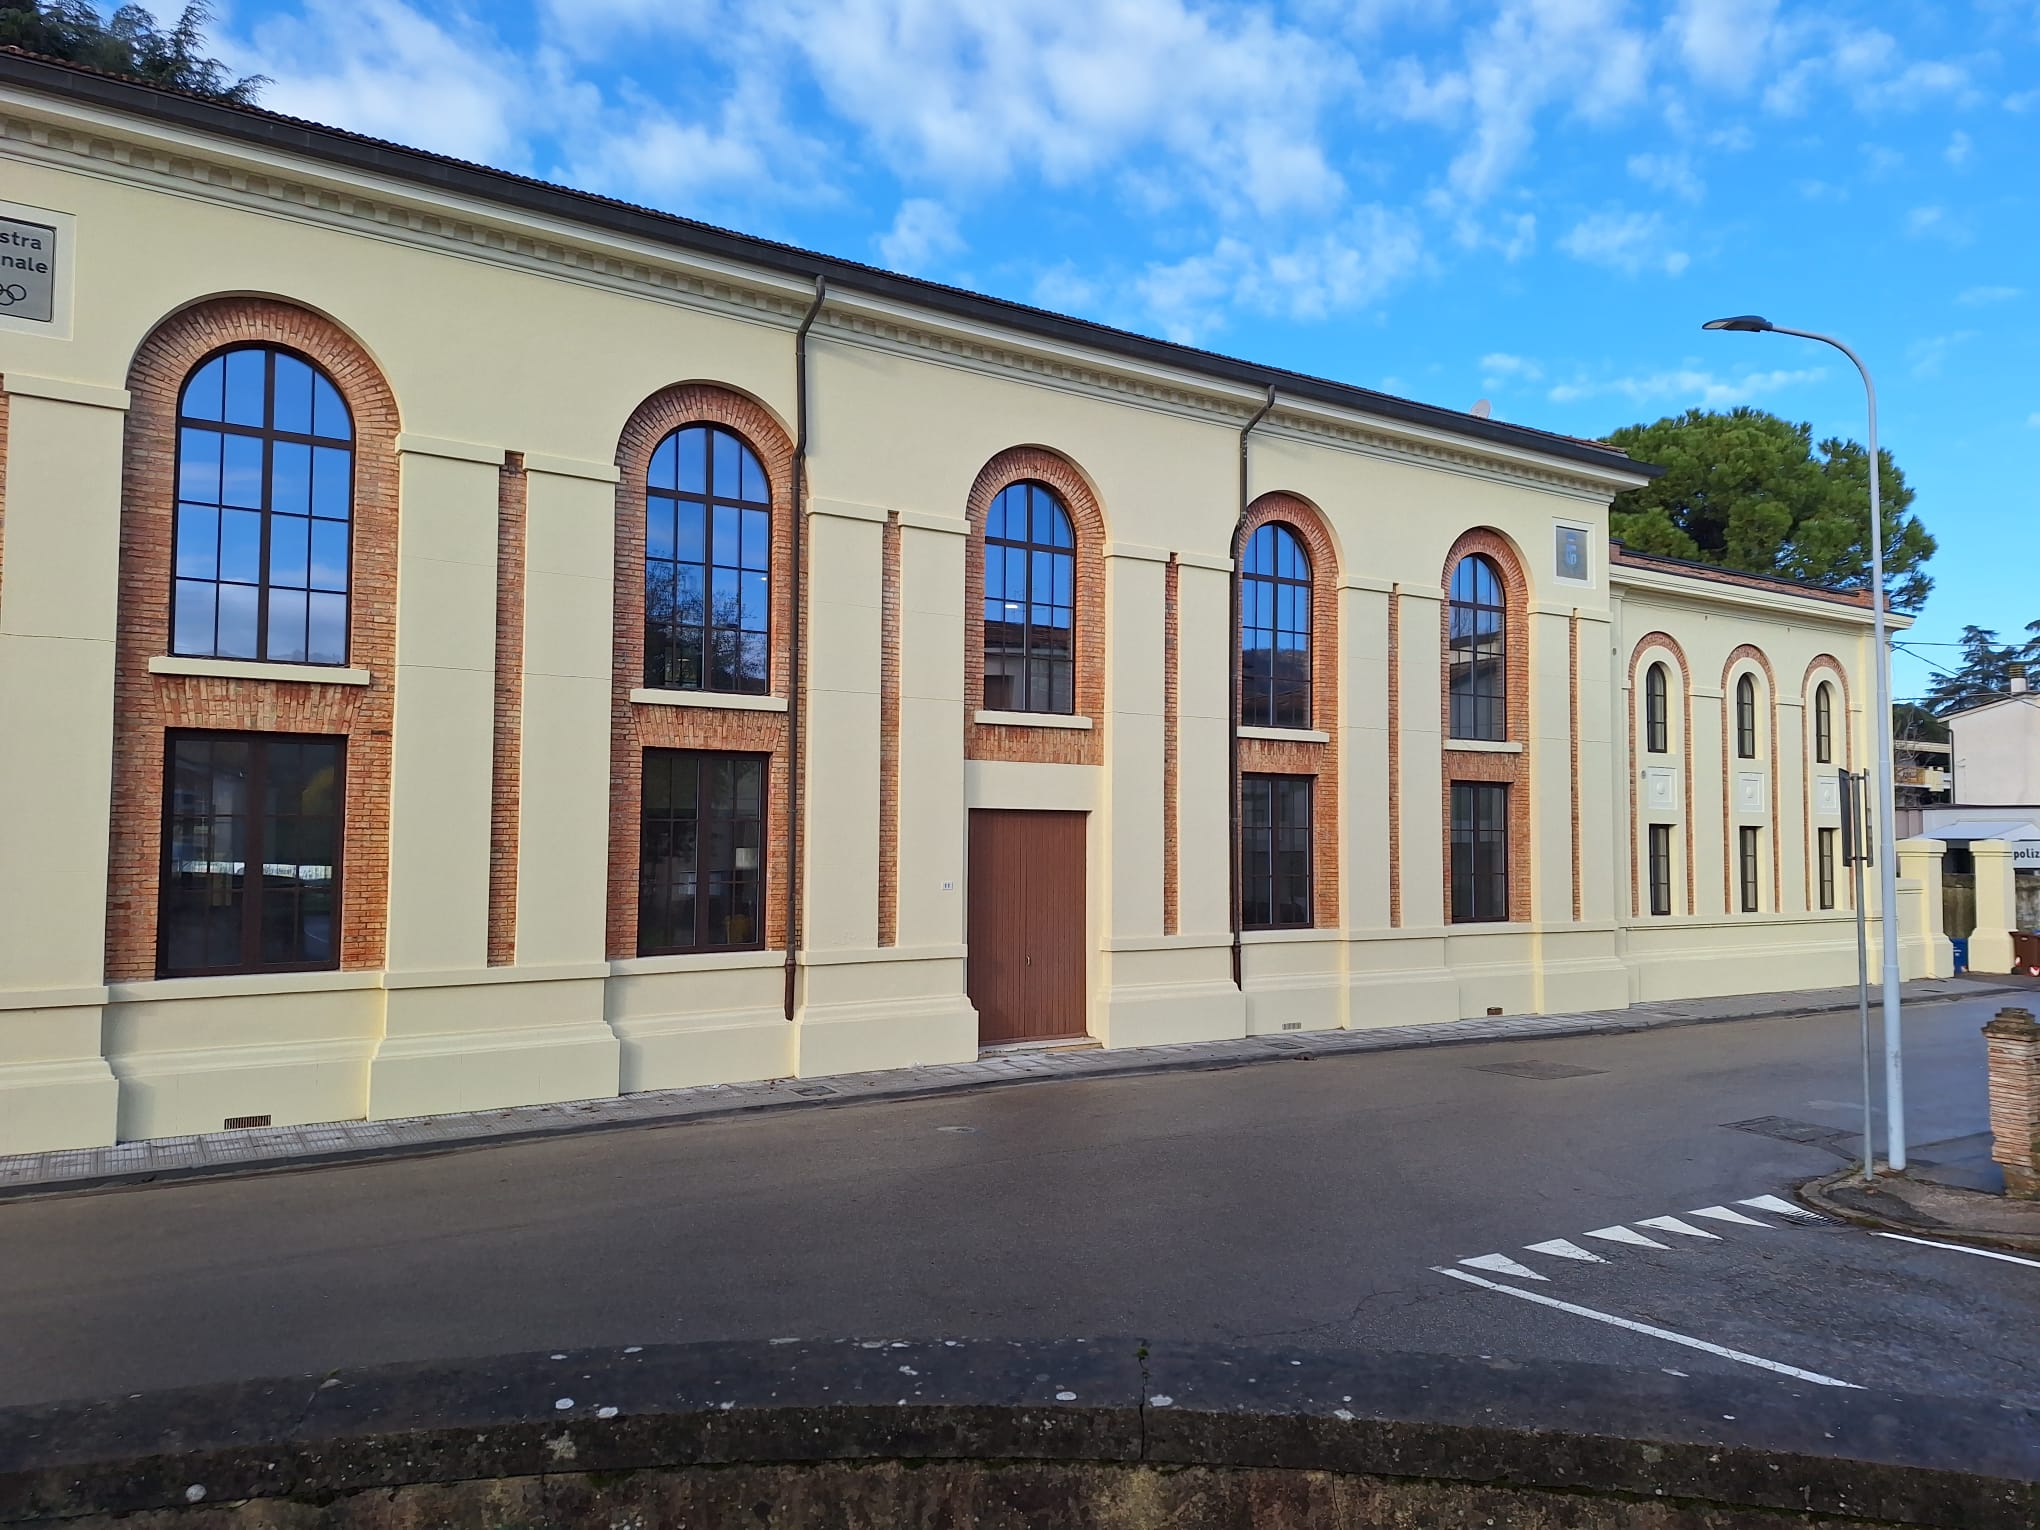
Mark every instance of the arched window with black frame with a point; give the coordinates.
(1746, 718)
(1657, 709)
(708, 564)
(1824, 724)
(1477, 643)
(1030, 602)
(1275, 610)
(265, 506)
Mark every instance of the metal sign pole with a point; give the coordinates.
(1855, 852)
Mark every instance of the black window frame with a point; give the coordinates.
(1825, 842)
(704, 760)
(1746, 717)
(254, 850)
(665, 642)
(1261, 850)
(1269, 698)
(1479, 815)
(1030, 652)
(270, 436)
(1823, 724)
(1477, 687)
(1749, 861)
(1660, 863)
(1657, 709)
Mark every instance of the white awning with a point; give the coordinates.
(1966, 829)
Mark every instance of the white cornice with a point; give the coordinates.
(1719, 592)
(73, 137)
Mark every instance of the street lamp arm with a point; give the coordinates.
(1843, 346)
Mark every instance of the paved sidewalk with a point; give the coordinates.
(262, 1149)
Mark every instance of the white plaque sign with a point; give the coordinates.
(28, 269)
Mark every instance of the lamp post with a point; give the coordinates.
(1887, 837)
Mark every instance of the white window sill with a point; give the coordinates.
(1031, 720)
(722, 701)
(1484, 745)
(250, 669)
(1288, 735)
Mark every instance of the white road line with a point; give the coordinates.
(1502, 1264)
(1563, 1249)
(1963, 1248)
(1723, 1214)
(1674, 1225)
(1783, 1208)
(1624, 1235)
(1656, 1333)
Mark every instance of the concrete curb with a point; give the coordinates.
(273, 1150)
(630, 1429)
(1822, 1196)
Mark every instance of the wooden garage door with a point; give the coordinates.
(1026, 924)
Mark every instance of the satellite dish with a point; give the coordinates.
(1482, 409)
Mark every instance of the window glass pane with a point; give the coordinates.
(236, 622)
(689, 531)
(205, 392)
(193, 618)
(293, 405)
(329, 556)
(727, 477)
(726, 538)
(245, 381)
(751, 486)
(752, 597)
(332, 482)
(665, 465)
(658, 527)
(757, 540)
(289, 550)
(241, 546)
(693, 443)
(290, 478)
(198, 542)
(241, 475)
(198, 466)
(327, 640)
(287, 626)
(330, 418)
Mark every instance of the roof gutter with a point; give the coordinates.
(1232, 714)
(796, 668)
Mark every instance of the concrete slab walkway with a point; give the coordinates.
(265, 1149)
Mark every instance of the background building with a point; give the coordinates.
(466, 643)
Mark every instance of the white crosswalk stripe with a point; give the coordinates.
(1502, 1264)
(1674, 1225)
(1784, 1208)
(1724, 1214)
(1625, 1235)
(1563, 1248)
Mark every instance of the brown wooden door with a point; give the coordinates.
(1026, 924)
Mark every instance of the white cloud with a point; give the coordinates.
(1866, 64)
(2024, 101)
(381, 68)
(1958, 150)
(1689, 386)
(922, 231)
(1066, 289)
(1933, 222)
(1631, 243)
(1499, 367)
(1337, 271)
(1974, 296)
(1724, 42)
(2033, 420)
(1672, 173)
(1928, 355)
(740, 146)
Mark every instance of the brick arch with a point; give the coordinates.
(1300, 757)
(638, 726)
(1825, 663)
(1054, 746)
(1661, 643)
(147, 705)
(1480, 765)
(1749, 654)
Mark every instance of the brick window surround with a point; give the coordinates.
(1824, 667)
(1303, 757)
(147, 706)
(638, 726)
(1659, 648)
(1749, 659)
(1484, 765)
(1049, 745)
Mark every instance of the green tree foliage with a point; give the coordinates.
(1746, 490)
(1985, 671)
(130, 43)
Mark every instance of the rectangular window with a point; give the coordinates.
(1827, 868)
(1660, 869)
(251, 853)
(701, 880)
(1480, 852)
(1749, 860)
(1275, 852)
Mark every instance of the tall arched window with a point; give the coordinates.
(1478, 670)
(265, 500)
(1746, 718)
(708, 564)
(1275, 630)
(1657, 710)
(1824, 723)
(1030, 602)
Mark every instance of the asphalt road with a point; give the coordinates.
(1298, 1203)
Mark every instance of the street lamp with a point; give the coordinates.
(1887, 838)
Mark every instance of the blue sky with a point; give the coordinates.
(1535, 202)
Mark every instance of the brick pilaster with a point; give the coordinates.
(2012, 1042)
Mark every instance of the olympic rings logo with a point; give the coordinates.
(12, 293)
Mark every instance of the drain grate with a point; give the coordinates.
(1534, 1069)
(1806, 1133)
(813, 1089)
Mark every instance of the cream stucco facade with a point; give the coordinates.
(511, 323)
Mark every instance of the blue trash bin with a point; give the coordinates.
(1961, 945)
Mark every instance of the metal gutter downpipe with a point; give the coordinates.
(1232, 717)
(795, 674)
